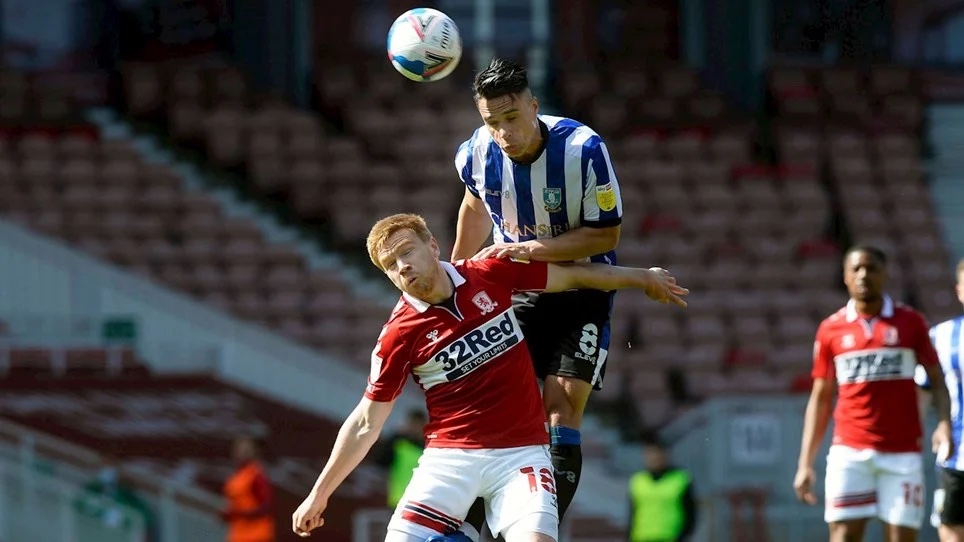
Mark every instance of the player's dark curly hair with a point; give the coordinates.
(501, 78)
(877, 253)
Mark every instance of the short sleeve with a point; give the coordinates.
(519, 275)
(602, 205)
(464, 159)
(924, 345)
(823, 366)
(390, 367)
(920, 377)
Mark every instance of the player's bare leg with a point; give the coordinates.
(898, 533)
(951, 533)
(851, 530)
(565, 400)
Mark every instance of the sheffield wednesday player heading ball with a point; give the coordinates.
(545, 188)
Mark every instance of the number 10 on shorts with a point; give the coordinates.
(545, 479)
(913, 494)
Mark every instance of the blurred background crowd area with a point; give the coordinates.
(185, 187)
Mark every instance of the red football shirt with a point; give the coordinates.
(873, 362)
(472, 363)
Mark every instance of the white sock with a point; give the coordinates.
(470, 532)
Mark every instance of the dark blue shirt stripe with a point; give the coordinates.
(493, 184)
(466, 173)
(556, 171)
(956, 431)
(522, 180)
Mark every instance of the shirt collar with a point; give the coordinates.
(422, 306)
(887, 311)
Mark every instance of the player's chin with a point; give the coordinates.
(514, 151)
(413, 288)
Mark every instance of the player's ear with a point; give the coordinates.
(435, 248)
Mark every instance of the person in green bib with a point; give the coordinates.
(400, 454)
(661, 500)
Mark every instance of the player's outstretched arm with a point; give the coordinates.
(658, 284)
(815, 423)
(473, 227)
(355, 438)
(575, 244)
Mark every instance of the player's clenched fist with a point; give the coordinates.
(308, 515)
(803, 485)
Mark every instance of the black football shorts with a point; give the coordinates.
(951, 484)
(567, 332)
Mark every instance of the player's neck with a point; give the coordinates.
(869, 308)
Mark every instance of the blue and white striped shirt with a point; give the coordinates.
(571, 184)
(948, 339)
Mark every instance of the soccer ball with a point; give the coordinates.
(424, 44)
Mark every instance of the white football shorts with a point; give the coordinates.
(517, 484)
(868, 484)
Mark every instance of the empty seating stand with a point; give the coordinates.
(45, 362)
(183, 427)
(101, 197)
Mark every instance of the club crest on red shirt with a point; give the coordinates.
(484, 302)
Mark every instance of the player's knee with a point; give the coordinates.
(565, 400)
(901, 533)
(953, 533)
(847, 531)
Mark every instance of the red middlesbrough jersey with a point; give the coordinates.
(472, 363)
(873, 363)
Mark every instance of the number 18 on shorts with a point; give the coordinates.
(871, 484)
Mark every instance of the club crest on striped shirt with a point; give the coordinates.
(552, 198)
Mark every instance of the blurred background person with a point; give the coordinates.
(400, 453)
(662, 505)
(249, 513)
(113, 501)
